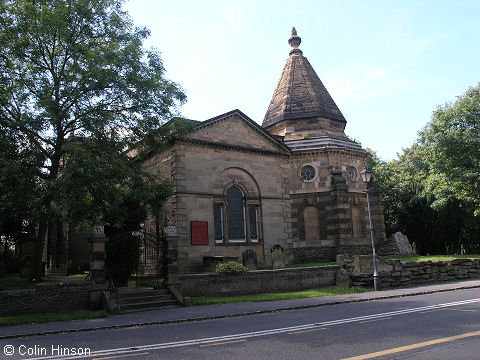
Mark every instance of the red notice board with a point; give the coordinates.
(199, 232)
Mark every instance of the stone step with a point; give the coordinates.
(140, 299)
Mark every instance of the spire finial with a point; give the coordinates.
(295, 40)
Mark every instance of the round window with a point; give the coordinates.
(352, 173)
(308, 172)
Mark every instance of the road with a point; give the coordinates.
(436, 326)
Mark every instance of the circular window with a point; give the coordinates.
(352, 173)
(308, 173)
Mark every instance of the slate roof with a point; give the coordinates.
(300, 93)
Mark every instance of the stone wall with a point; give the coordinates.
(403, 274)
(259, 281)
(51, 297)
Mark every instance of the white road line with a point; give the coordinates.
(225, 338)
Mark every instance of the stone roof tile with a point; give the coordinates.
(300, 93)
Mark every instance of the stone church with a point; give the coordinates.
(293, 181)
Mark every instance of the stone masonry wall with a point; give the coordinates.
(404, 274)
(50, 297)
(259, 281)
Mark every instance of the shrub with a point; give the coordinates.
(230, 268)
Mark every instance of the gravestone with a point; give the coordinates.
(26, 267)
(403, 245)
(278, 257)
(343, 278)
(250, 259)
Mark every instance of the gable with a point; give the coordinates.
(235, 130)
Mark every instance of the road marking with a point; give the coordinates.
(223, 343)
(367, 321)
(120, 356)
(182, 343)
(464, 310)
(305, 331)
(413, 346)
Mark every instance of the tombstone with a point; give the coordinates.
(3, 268)
(250, 259)
(403, 245)
(278, 257)
(343, 278)
(26, 267)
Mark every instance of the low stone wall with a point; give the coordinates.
(258, 281)
(50, 297)
(403, 274)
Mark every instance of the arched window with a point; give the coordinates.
(312, 228)
(235, 218)
(235, 214)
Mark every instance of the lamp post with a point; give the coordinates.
(366, 176)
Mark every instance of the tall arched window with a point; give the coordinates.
(236, 214)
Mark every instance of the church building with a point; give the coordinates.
(292, 183)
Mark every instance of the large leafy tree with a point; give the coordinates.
(71, 70)
(452, 143)
(431, 192)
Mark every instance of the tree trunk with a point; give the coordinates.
(37, 272)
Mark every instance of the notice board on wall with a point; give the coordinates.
(199, 232)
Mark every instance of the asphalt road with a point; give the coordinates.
(436, 326)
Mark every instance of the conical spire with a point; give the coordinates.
(300, 93)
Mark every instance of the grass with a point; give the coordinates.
(326, 291)
(49, 317)
(15, 282)
(433, 257)
(302, 265)
(311, 264)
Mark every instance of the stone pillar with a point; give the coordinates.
(170, 233)
(97, 252)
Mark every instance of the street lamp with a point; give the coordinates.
(366, 176)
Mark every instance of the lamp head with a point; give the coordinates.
(366, 175)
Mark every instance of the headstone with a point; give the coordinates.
(278, 257)
(3, 268)
(250, 259)
(403, 244)
(343, 278)
(26, 267)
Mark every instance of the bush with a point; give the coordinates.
(230, 268)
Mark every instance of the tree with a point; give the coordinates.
(431, 192)
(452, 143)
(76, 69)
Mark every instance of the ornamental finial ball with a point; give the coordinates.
(294, 40)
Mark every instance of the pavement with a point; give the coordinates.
(208, 312)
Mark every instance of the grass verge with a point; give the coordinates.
(15, 282)
(434, 257)
(326, 291)
(49, 317)
(311, 264)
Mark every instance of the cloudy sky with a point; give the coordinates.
(387, 64)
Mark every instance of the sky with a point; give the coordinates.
(387, 64)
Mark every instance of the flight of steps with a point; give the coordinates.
(140, 299)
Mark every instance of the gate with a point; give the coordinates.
(136, 258)
(151, 268)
